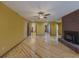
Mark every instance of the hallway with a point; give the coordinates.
(41, 46)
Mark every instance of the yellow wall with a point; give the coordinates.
(11, 28)
(60, 28)
(52, 28)
(40, 28)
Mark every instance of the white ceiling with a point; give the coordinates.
(28, 9)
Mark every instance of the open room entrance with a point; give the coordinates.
(47, 27)
(33, 28)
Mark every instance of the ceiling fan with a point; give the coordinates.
(42, 15)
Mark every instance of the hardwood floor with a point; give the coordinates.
(41, 46)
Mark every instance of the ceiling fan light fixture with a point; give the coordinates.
(41, 16)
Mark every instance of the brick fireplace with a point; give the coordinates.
(70, 28)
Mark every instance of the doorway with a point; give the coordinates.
(33, 28)
(28, 29)
(47, 28)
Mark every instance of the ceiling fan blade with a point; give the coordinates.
(46, 14)
(40, 12)
(45, 17)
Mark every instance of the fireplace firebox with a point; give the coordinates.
(72, 36)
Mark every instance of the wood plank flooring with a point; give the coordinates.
(41, 47)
